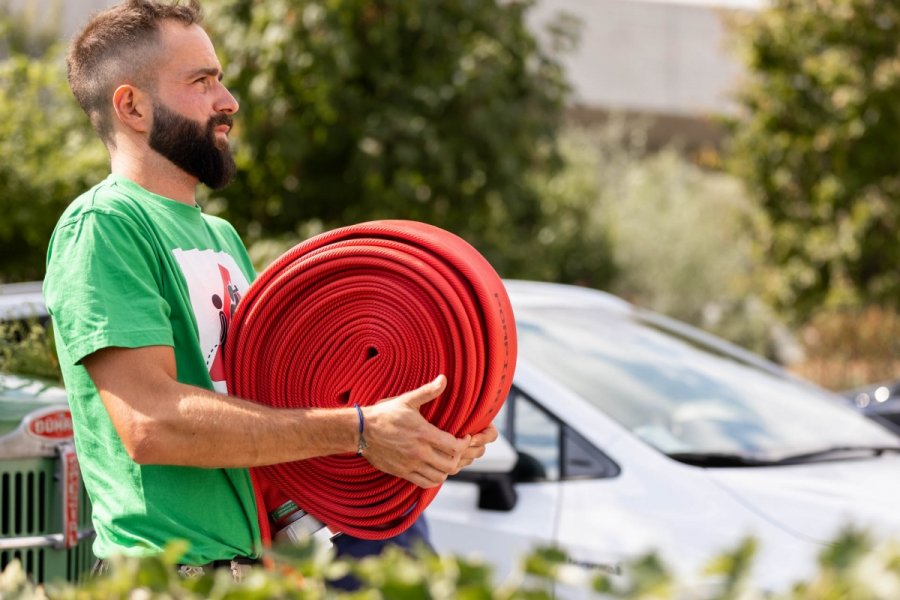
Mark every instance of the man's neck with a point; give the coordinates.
(155, 174)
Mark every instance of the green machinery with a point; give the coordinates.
(44, 511)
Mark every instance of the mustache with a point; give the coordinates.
(219, 119)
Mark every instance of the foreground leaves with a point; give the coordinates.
(852, 567)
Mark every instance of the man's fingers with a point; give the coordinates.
(444, 458)
(473, 452)
(434, 475)
(475, 447)
(485, 436)
(427, 392)
(408, 446)
(448, 449)
(421, 481)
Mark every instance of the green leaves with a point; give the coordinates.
(48, 155)
(355, 110)
(351, 110)
(27, 348)
(852, 566)
(816, 141)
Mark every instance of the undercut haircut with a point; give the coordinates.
(119, 46)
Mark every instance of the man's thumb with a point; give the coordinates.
(428, 392)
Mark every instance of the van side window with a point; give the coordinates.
(548, 449)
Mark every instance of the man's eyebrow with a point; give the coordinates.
(206, 71)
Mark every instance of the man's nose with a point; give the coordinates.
(227, 102)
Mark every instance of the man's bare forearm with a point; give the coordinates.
(196, 427)
(163, 421)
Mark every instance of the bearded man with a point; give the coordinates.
(141, 286)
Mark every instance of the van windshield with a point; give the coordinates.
(683, 395)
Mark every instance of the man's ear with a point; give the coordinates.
(133, 108)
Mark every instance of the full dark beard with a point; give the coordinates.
(191, 147)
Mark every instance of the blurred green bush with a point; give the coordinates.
(27, 348)
(452, 113)
(48, 152)
(852, 567)
(354, 110)
(816, 141)
(438, 111)
(661, 232)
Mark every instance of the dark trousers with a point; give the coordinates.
(347, 546)
(353, 547)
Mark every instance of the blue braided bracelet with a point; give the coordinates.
(362, 438)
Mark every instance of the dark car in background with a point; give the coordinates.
(880, 402)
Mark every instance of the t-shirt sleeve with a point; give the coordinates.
(102, 286)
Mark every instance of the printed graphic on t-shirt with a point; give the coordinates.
(216, 285)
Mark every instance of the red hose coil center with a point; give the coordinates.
(363, 313)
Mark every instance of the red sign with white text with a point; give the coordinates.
(56, 425)
(71, 493)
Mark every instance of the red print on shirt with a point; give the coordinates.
(226, 305)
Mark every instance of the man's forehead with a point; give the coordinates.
(188, 50)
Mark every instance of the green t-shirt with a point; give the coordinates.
(129, 268)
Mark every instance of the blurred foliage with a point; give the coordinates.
(817, 142)
(848, 348)
(32, 30)
(574, 244)
(673, 237)
(351, 111)
(450, 112)
(852, 567)
(653, 228)
(354, 110)
(48, 152)
(27, 348)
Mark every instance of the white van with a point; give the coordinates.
(631, 433)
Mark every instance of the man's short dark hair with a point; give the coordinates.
(119, 45)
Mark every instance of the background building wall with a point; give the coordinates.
(667, 62)
(72, 13)
(654, 56)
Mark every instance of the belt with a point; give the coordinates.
(220, 564)
(362, 313)
(239, 566)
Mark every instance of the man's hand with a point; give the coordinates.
(401, 442)
(477, 443)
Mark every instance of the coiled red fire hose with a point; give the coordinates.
(363, 313)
